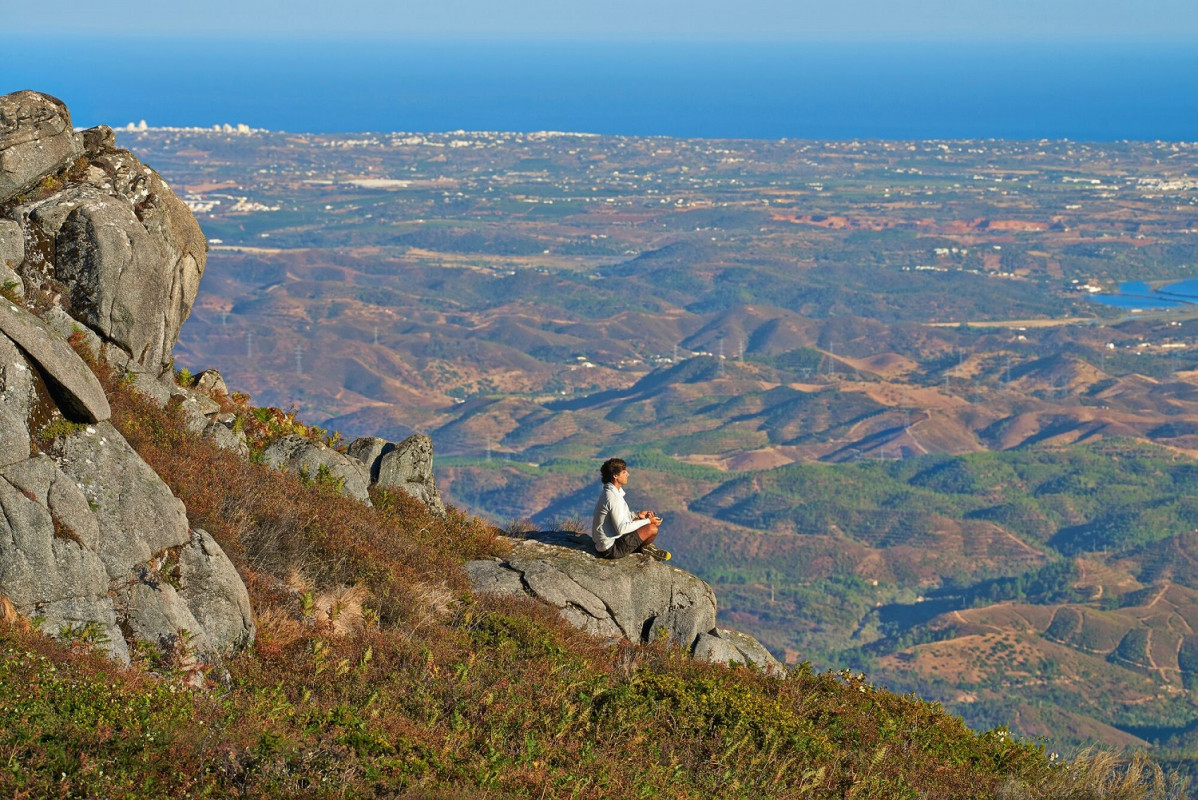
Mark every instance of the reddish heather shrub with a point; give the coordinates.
(377, 673)
(271, 522)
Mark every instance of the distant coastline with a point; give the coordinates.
(765, 90)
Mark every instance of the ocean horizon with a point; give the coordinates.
(754, 90)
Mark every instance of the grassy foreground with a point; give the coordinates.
(376, 673)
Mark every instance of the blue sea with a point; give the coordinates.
(752, 90)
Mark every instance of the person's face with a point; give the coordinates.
(622, 478)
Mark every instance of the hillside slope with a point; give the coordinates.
(372, 670)
(376, 672)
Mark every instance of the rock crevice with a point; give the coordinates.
(406, 465)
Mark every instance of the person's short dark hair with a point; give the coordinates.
(611, 468)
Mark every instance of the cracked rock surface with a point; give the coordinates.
(36, 139)
(407, 465)
(635, 598)
(92, 229)
(79, 393)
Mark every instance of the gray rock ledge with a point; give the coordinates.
(634, 598)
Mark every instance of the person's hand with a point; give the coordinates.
(644, 515)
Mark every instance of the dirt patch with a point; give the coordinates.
(889, 394)
(887, 365)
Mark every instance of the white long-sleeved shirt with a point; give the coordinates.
(612, 518)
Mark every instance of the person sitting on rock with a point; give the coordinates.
(615, 531)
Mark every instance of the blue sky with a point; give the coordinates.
(1035, 20)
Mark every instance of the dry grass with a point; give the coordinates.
(341, 609)
(574, 525)
(519, 528)
(1101, 775)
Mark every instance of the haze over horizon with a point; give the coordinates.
(909, 20)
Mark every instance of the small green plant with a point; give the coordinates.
(9, 291)
(146, 654)
(183, 377)
(83, 635)
(325, 477)
(169, 570)
(57, 428)
(307, 602)
(78, 169)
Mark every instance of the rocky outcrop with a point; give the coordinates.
(635, 598)
(36, 140)
(92, 539)
(102, 254)
(211, 383)
(725, 646)
(92, 542)
(407, 466)
(315, 461)
(148, 550)
(202, 413)
(102, 235)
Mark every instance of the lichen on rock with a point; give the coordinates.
(104, 235)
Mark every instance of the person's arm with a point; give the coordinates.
(621, 516)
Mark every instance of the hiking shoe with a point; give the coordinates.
(656, 552)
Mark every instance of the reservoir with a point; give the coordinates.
(1139, 295)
